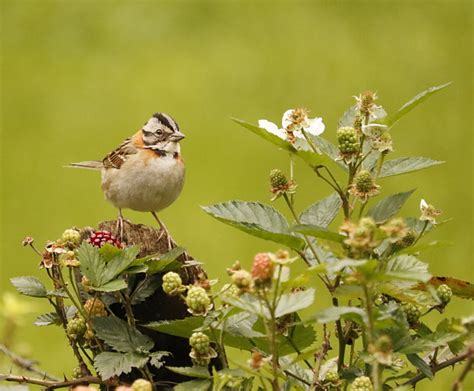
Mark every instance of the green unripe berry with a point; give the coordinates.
(361, 383)
(197, 300)
(141, 385)
(408, 239)
(71, 236)
(348, 140)
(200, 343)
(363, 181)
(172, 283)
(76, 328)
(412, 312)
(331, 377)
(278, 180)
(444, 293)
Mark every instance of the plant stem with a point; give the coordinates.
(371, 335)
(50, 385)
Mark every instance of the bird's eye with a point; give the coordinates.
(159, 132)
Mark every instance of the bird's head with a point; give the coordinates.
(161, 132)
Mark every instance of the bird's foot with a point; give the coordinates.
(120, 226)
(164, 233)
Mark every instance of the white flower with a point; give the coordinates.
(428, 212)
(423, 205)
(294, 122)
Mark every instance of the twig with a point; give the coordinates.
(27, 365)
(439, 367)
(457, 386)
(297, 377)
(51, 385)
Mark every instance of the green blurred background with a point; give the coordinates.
(80, 76)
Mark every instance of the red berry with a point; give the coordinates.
(262, 267)
(99, 238)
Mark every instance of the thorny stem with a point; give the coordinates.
(457, 386)
(271, 331)
(51, 385)
(371, 335)
(128, 309)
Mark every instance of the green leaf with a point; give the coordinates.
(433, 245)
(120, 336)
(323, 212)
(194, 385)
(303, 151)
(112, 286)
(145, 289)
(241, 325)
(329, 149)
(92, 266)
(406, 164)
(109, 364)
(199, 372)
(179, 328)
(119, 263)
(156, 358)
(389, 206)
(423, 344)
(52, 318)
(256, 219)
(29, 286)
(292, 302)
(348, 117)
(318, 232)
(419, 363)
(335, 313)
(407, 107)
(250, 304)
(109, 251)
(406, 267)
(165, 261)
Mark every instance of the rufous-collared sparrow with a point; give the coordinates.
(146, 172)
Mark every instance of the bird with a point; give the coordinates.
(146, 172)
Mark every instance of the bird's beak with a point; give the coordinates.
(177, 136)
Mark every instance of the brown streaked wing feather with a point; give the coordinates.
(116, 158)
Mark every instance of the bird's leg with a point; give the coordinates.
(163, 231)
(120, 224)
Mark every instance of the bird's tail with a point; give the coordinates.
(89, 164)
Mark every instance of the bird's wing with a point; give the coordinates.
(116, 158)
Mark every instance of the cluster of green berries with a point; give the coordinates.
(71, 236)
(412, 312)
(348, 140)
(331, 377)
(197, 300)
(278, 180)
(361, 383)
(363, 181)
(242, 279)
(76, 328)
(172, 284)
(444, 293)
(200, 343)
(141, 385)
(262, 268)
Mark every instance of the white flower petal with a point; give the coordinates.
(423, 204)
(315, 126)
(286, 120)
(270, 127)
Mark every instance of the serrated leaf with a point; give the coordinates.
(257, 219)
(29, 286)
(179, 328)
(303, 151)
(423, 344)
(164, 261)
(323, 212)
(406, 267)
(109, 364)
(419, 363)
(410, 105)
(406, 164)
(52, 318)
(329, 149)
(156, 358)
(241, 325)
(249, 303)
(348, 117)
(388, 207)
(120, 336)
(319, 232)
(145, 289)
(109, 251)
(199, 372)
(112, 286)
(194, 385)
(118, 264)
(335, 313)
(293, 302)
(92, 266)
